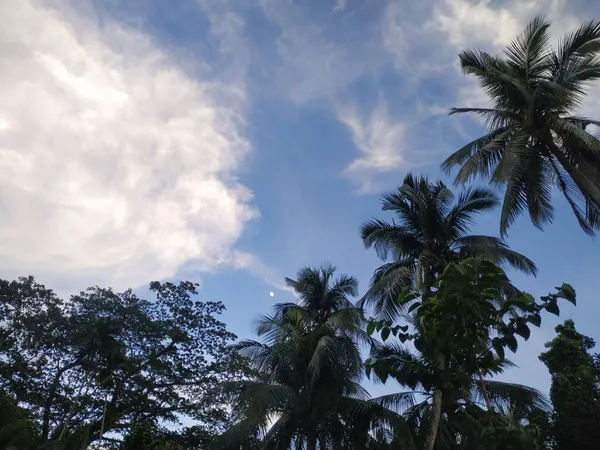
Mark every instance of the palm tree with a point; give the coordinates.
(534, 140)
(305, 389)
(466, 406)
(431, 232)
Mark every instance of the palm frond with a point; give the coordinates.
(399, 401)
(386, 237)
(463, 154)
(497, 251)
(386, 285)
(470, 201)
(528, 50)
(510, 395)
(485, 159)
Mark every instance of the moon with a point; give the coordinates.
(272, 294)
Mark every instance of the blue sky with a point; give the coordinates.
(233, 142)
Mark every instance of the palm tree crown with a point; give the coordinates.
(431, 230)
(305, 388)
(535, 141)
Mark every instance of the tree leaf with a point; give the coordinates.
(499, 350)
(414, 306)
(371, 327)
(567, 292)
(511, 343)
(523, 330)
(552, 307)
(385, 333)
(535, 319)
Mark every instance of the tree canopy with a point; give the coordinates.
(575, 389)
(102, 361)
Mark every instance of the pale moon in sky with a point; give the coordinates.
(272, 294)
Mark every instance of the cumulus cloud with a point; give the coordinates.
(491, 26)
(379, 142)
(116, 166)
(470, 23)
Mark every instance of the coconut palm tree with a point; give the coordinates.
(305, 389)
(429, 231)
(535, 140)
(465, 407)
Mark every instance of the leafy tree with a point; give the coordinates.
(431, 232)
(469, 320)
(305, 392)
(17, 430)
(535, 141)
(103, 361)
(150, 436)
(575, 390)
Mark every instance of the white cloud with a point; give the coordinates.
(251, 264)
(340, 6)
(491, 26)
(379, 142)
(472, 23)
(116, 167)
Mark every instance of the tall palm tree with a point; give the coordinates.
(430, 230)
(305, 389)
(534, 140)
(465, 407)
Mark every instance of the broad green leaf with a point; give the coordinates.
(371, 327)
(385, 333)
(511, 343)
(552, 307)
(567, 292)
(414, 306)
(535, 319)
(523, 330)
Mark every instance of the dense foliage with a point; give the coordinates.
(306, 389)
(575, 390)
(467, 322)
(102, 361)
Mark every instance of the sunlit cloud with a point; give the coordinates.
(117, 166)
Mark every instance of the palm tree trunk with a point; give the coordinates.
(311, 441)
(440, 362)
(486, 396)
(436, 410)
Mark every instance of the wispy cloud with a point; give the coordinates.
(379, 141)
(490, 26)
(320, 55)
(251, 264)
(117, 167)
(340, 6)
